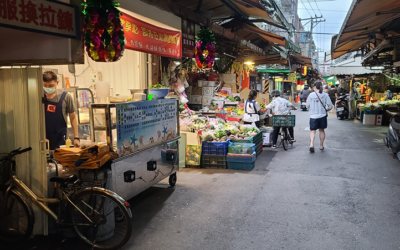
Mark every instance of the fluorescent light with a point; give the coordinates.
(177, 63)
(249, 63)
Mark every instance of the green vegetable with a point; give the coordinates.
(181, 107)
(219, 134)
(231, 98)
(237, 98)
(262, 105)
(158, 86)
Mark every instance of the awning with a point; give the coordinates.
(299, 59)
(364, 18)
(352, 66)
(286, 71)
(252, 33)
(267, 59)
(290, 45)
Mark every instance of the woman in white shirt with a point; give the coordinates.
(318, 104)
(251, 108)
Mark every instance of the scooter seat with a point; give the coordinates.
(395, 122)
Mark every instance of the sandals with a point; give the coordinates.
(312, 149)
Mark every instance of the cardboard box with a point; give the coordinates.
(197, 91)
(189, 90)
(192, 138)
(208, 91)
(207, 100)
(210, 83)
(378, 121)
(196, 99)
(232, 86)
(227, 78)
(369, 119)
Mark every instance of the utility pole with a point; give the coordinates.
(313, 25)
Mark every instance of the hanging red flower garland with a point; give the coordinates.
(104, 34)
(205, 49)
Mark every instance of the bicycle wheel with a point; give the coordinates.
(284, 141)
(16, 219)
(110, 225)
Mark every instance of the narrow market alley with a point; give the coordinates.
(345, 197)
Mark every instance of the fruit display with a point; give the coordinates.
(193, 153)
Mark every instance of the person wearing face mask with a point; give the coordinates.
(59, 105)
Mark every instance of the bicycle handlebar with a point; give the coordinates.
(14, 153)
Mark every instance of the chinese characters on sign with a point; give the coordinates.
(83, 99)
(142, 36)
(143, 124)
(188, 38)
(39, 16)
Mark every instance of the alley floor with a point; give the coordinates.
(345, 197)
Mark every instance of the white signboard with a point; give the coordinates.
(41, 16)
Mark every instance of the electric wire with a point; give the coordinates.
(312, 8)
(318, 7)
(305, 7)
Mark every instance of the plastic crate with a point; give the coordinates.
(213, 161)
(241, 163)
(164, 156)
(259, 149)
(284, 120)
(215, 148)
(250, 140)
(241, 148)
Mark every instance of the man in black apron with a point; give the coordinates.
(58, 105)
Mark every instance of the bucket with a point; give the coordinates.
(102, 92)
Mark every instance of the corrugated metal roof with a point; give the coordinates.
(352, 66)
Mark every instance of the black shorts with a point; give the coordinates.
(320, 123)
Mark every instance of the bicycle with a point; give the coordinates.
(285, 122)
(100, 217)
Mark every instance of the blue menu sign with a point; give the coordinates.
(143, 124)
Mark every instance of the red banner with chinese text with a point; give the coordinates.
(144, 37)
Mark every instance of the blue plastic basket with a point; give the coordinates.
(215, 148)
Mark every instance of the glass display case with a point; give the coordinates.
(83, 97)
(103, 124)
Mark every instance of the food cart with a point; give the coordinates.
(145, 135)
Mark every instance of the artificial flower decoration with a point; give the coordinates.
(103, 31)
(205, 49)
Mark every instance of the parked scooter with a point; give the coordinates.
(392, 140)
(342, 107)
(303, 105)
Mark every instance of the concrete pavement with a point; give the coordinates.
(345, 197)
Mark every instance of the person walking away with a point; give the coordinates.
(332, 95)
(353, 101)
(280, 106)
(318, 104)
(326, 89)
(304, 93)
(251, 108)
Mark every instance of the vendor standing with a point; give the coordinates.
(59, 105)
(368, 94)
(251, 109)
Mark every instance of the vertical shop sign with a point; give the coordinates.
(188, 38)
(41, 16)
(143, 124)
(144, 37)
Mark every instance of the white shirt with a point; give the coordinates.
(251, 115)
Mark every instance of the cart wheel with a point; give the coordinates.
(172, 180)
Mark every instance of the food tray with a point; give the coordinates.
(283, 120)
